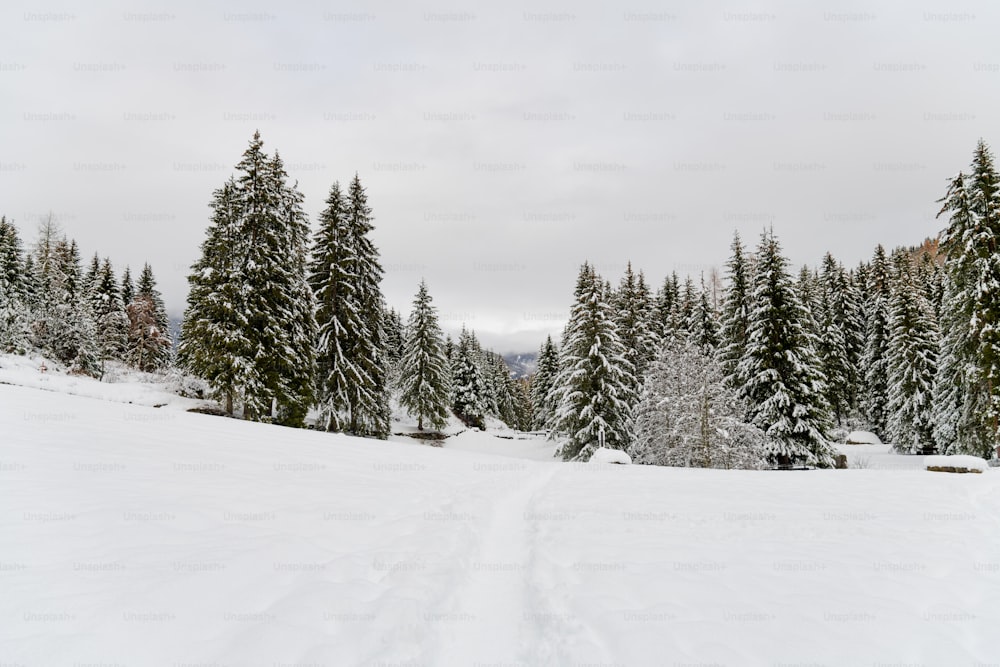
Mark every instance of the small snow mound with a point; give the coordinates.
(960, 463)
(605, 455)
(862, 438)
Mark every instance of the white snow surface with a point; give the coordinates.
(122, 385)
(608, 455)
(862, 438)
(138, 536)
(958, 461)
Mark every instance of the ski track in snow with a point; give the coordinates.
(492, 599)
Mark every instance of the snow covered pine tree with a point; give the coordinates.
(249, 326)
(912, 362)
(424, 377)
(784, 382)
(967, 390)
(345, 276)
(595, 386)
(468, 384)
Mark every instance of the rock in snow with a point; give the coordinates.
(956, 464)
(606, 455)
(862, 438)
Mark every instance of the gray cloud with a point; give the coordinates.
(502, 145)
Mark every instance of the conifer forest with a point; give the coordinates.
(768, 366)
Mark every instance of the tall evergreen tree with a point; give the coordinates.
(147, 287)
(331, 272)
(632, 307)
(930, 277)
(468, 384)
(967, 392)
(667, 308)
(395, 340)
(542, 384)
(424, 377)
(504, 389)
(109, 315)
(345, 277)
(702, 323)
(912, 361)
(65, 329)
(93, 275)
(249, 328)
(525, 413)
(370, 405)
(735, 312)
(11, 260)
(831, 306)
(595, 384)
(29, 285)
(149, 344)
(807, 289)
(290, 312)
(686, 307)
(784, 384)
(14, 308)
(853, 322)
(215, 341)
(875, 397)
(648, 316)
(128, 287)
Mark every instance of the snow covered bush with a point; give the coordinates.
(186, 385)
(690, 417)
(615, 456)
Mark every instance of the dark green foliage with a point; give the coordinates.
(424, 377)
(249, 327)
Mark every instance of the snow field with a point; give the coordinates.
(145, 536)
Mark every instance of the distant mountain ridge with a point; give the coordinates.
(521, 365)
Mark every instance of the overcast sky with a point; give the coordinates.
(502, 144)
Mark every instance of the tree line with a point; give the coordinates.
(80, 318)
(906, 344)
(281, 322)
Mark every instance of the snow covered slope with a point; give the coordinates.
(138, 536)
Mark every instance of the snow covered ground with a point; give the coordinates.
(133, 535)
(121, 384)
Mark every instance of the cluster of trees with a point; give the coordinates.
(483, 386)
(655, 374)
(760, 371)
(82, 319)
(907, 344)
(278, 323)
